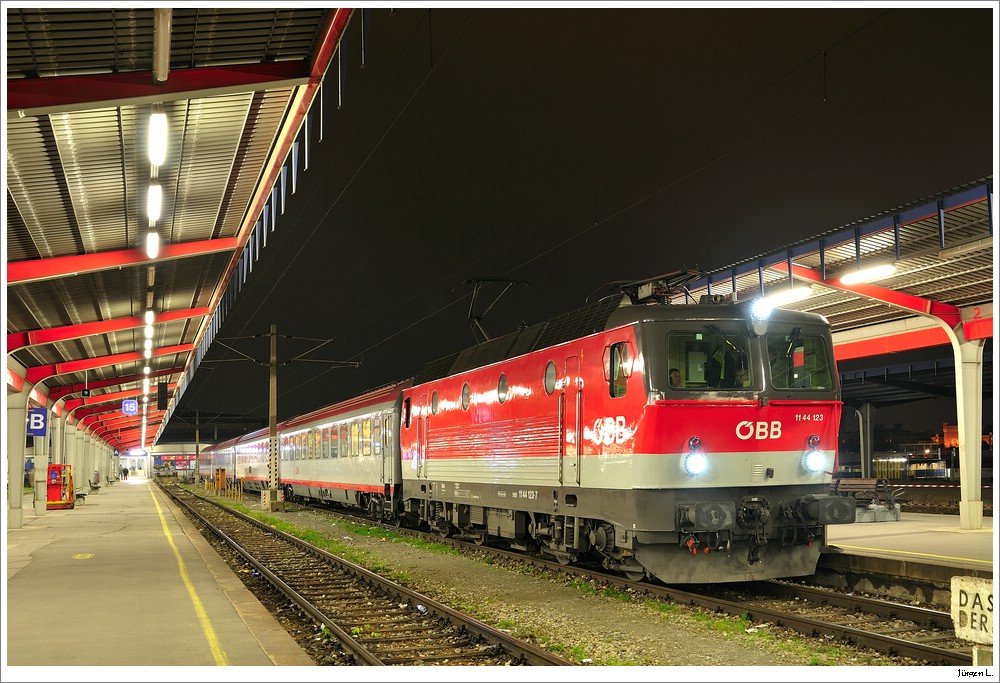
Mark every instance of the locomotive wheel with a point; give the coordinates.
(635, 576)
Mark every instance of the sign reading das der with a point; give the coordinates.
(972, 608)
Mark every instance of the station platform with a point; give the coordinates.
(919, 537)
(125, 579)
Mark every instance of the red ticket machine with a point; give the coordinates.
(61, 495)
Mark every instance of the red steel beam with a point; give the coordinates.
(978, 328)
(38, 373)
(97, 423)
(34, 270)
(14, 381)
(105, 398)
(52, 94)
(948, 313)
(326, 47)
(60, 390)
(892, 343)
(51, 335)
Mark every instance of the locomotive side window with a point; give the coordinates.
(550, 378)
(502, 388)
(709, 359)
(406, 413)
(799, 361)
(465, 398)
(618, 371)
(434, 403)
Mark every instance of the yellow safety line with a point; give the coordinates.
(908, 552)
(206, 624)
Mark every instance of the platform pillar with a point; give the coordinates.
(969, 396)
(866, 433)
(17, 415)
(57, 425)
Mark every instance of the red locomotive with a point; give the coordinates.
(692, 443)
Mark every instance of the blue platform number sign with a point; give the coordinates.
(36, 421)
(130, 406)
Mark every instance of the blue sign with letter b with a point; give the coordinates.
(130, 406)
(36, 421)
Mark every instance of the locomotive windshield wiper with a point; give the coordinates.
(793, 339)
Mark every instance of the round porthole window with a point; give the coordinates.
(550, 378)
(502, 388)
(434, 403)
(465, 396)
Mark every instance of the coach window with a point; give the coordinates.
(502, 388)
(465, 398)
(377, 435)
(550, 378)
(355, 439)
(334, 442)
(406, 412)
(345, 441)
(366, 436)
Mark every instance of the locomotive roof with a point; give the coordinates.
(608, 313)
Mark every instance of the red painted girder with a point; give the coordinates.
(134, 431)
(34, 270)
(124, 425)
(978, 328)
(38, 373)
(60, 390)
(92, 91)
(104, 398)
(89, 416)
(51, 335)
(326, 48)
(950, 314)
(902, 341)
(14, 381)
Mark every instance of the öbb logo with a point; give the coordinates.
(758, 430)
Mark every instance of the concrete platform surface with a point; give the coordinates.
(126, 580)
(917, 537)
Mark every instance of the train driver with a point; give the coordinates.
(675, 378)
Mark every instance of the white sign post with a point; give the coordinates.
(972, 612)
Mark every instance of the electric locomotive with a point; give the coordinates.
(586, 448)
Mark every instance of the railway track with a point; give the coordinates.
(893, 628)
(377, 621)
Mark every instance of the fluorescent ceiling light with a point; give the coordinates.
(153, 244)
(148, 317)
(870, 274)
(148, 353)
(148, 344)
(157, 138)
(148, 331)
(154, 202)
(145, 370)
(761, 308)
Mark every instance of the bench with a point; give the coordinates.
(876, 500)
(108, 480)
(95, 487)
(81, 496)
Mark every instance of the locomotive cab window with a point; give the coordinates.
(709, 360)
(799, 361)
(618, 369)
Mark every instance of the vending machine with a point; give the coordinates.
(61, 495)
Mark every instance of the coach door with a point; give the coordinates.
(422, 436)
(571, 410)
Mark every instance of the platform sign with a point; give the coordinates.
(37, 421)
(972, 608)
(130, 406)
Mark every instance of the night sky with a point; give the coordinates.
(572, 147)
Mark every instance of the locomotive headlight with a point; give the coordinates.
(695, 464)
(814, 461)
